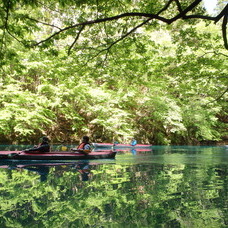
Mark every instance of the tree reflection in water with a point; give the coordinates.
(42, 170)
(167, 187)
(84, 169)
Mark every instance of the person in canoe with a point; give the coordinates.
(84, 146)
(43, 147)
(133, 142)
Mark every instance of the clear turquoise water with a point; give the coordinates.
(168, 186)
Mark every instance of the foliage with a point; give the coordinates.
(162, 84)
(110, 22)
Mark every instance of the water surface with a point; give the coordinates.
(167, 186)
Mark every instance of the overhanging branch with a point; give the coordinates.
(122, 37)
(43, 23)
(128, 33)
(165, 7)
(224, 31)
(86, 23)
(75, 40)
(224, 12)
(183, 14)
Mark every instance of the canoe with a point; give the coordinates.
(69, 155)
(125, 149)
(120, 145)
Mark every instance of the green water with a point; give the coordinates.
(165, 187)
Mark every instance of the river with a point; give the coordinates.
(166, 186)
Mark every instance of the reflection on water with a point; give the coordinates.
(41, 170)
(162, 187)
(84, 169)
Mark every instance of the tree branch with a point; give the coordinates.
(19, 41)
(168, 4)
(77, 37)
(178, 5)
(151, 16)
(122, 37)
(165, 7)
(219, 97)
(132, 14)
(182, 14)
(5, 26)
(199, 17)
(128, 33)
(44, 23)
(224, 31)
(224, 12)
(213, 52)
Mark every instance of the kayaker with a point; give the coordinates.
(43, 147)
(115, 143)
(84, 146)
(133, 142)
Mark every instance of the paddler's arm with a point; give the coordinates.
(87, 149)
(41, 149)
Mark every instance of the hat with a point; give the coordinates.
(85, 138)
(45, 139)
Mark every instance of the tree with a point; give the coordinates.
(164, 83)
(109, 21)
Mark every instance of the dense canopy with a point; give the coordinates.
(155, 70)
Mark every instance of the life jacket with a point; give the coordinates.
(81, 146)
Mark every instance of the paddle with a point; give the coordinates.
(81, 151)
(13, 154)
(16, 154)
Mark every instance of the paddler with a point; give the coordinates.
(84, 146)
(43, 146)
(133, 142)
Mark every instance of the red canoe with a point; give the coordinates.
(119, 145)
(20, 155)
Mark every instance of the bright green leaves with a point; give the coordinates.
(162, 84)
(109, 116)
(22, 114)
